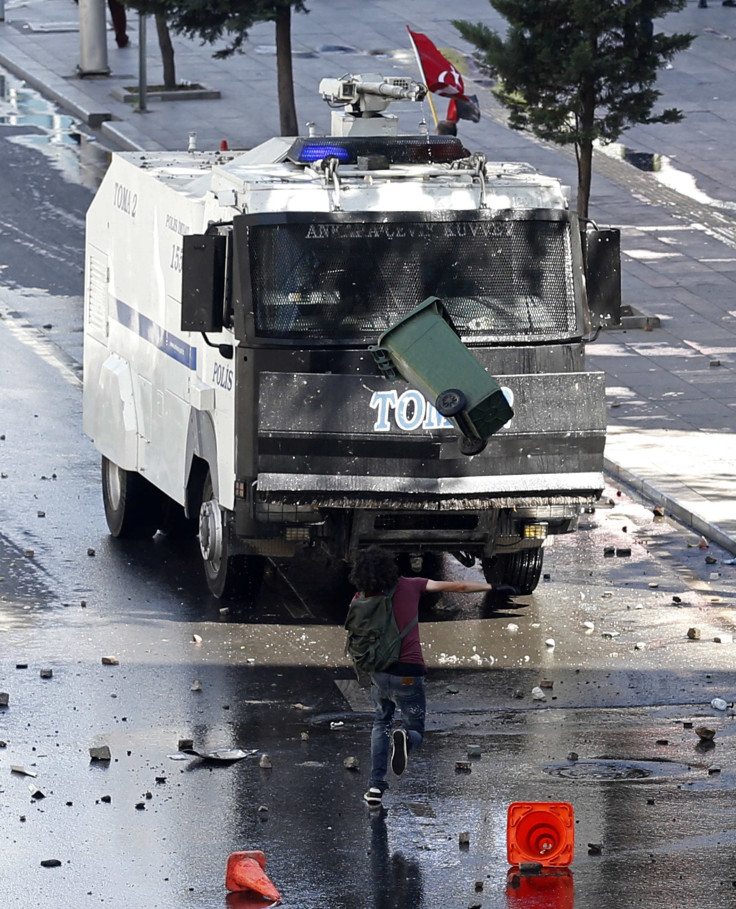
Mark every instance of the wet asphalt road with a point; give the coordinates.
(149, 829)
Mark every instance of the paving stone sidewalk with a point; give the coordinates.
(671, 390)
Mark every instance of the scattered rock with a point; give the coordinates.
(654, 584)
(658, 511)
(265, 762)
(588, 626)
(196, 639)
(595, 848)
(538, 694)
(91, 552)
(512, 627)
(196, 685)
(40, 514)
(452, 689)
(640, 645)
(50, 863)
(518, 694)
(29, 553)
(463, 767)
(677, 600)
(305, 736)
(713, 771)
(100, 753)
(705, 734)
(709, 560)
(546, 683)
(572, 756)
(550, 642)
(4, 698)
(351, 763)
(110, 661)
(47, 673)
(106, 799)
(464, 838)
(693, 634)
(610, 634)
(185, 744)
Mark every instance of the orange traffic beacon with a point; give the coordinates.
(540, 832)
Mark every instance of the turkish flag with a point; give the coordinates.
(440, 75)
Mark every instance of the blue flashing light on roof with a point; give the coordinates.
(311, 152)
(398, 150)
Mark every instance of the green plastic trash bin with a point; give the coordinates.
(425, 350)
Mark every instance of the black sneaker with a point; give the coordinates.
(374, 797)
(399, 751)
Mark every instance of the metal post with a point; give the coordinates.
(93, 38)
(142, 76)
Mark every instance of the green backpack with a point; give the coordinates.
(374, 639)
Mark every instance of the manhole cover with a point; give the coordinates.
(602, 770)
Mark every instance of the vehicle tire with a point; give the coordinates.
(228, 576)
(132, 504)
(521, 569)
(450, 402)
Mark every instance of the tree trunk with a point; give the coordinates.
(167, 51)
(287, 105)
(584, 155)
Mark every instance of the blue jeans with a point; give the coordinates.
(389, 692)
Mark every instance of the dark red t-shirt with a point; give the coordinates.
(406, 607)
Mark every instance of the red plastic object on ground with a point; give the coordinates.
(552, 888)
(245, 871)
(540, 832)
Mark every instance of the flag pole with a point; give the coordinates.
(424, 78)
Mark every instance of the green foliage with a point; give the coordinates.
(576, 71)
(211, 20)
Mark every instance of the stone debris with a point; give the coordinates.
(464, 838)
(91, 552)
(572, 756)
(100, 753)
(658, 511)
(196, 639)
(196, 685)
(185, 744)
(538, 694)
(640, 645)
(550, 642)
(351, 763)
(29, 553)
(4, 698)
(595, 848)
(47, 673)
(654, 584)
(36, 793)
(512, 627)
(546, 683)
(589, 626)
(305, 736)
(693, 634)
(50, 863)
(709, 560)
(705, 734)
(463, 767)
(110, 661)
(265, 762)
(474, 751)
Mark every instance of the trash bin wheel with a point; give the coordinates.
(469, 446)
(450, 402)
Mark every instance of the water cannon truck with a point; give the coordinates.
(329, 342)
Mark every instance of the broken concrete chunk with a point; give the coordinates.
(100, 753)
(351, 763)
(110, 661)
(538, 694)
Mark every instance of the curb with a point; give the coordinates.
(650, 492)
(51, 86)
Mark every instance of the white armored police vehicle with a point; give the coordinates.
(232, 301)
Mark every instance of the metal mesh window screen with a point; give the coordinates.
(501, 280)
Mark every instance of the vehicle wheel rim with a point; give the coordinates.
(114, 484)
(210, 533)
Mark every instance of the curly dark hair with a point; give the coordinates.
(374, 570)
